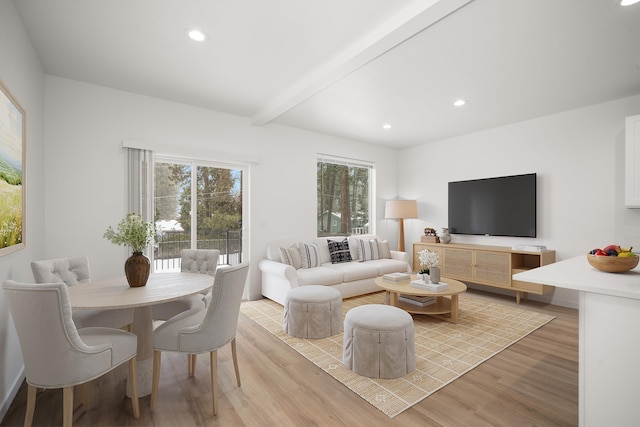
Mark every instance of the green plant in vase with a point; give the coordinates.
(138, 234)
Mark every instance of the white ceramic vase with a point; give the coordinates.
(445, 237)
(434, 275)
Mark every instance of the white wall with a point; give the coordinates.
(22, 74)
(86, 175)
(579, 158)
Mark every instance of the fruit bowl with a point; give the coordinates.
(613, 264)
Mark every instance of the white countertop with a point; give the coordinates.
(577, 274)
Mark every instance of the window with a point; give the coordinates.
(197, 205)
(344, 196)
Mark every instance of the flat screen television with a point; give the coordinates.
(501, 206)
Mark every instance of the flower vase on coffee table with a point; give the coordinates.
(434, 275)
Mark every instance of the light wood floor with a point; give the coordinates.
(532, 383)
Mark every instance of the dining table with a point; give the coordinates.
(115, 293)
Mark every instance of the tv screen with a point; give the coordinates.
(502, 206)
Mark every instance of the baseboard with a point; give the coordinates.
(549, 298)
(8, 399)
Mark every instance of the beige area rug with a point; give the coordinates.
(444, 351)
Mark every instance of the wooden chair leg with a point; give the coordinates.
(67, 406)
(31, 405)
(234, 354)
(214, 380)
(157, 356)
(84, 395)
(192, 364)
(133, 375)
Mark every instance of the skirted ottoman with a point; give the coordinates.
(313, 311)
(378, 341)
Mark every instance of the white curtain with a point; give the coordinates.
(140, 169)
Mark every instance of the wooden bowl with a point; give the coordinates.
(613, 264)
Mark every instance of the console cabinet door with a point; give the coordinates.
(458, 264)
(493, 267)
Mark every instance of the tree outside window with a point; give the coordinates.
(344, 202)
(212, 219)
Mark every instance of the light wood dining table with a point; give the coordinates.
(115, 293)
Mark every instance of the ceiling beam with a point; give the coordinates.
(416, 17)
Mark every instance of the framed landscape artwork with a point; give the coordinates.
(12, 164)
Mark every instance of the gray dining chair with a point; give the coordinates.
(74, 271)
(204, 330)
(59, 355)
(203, 261)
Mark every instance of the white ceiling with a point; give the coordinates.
(346, 67)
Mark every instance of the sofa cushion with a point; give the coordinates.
(367, 249)
(384, 249)
(353, 246)
(319, 276)
(385, 266)
(310, 255)
(323, 246)
(339, 251)
(291, 256)
(354, 270)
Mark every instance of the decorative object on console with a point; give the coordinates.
(445, 237)
(529, 248)
(430, 236)
(401, 209)
(138, 234)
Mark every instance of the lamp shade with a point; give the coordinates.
(401, 209)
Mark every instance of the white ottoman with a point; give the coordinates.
(313, 311)
(378, 341)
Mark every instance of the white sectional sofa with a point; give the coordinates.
(291, 263)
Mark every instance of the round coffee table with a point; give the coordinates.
(446, 301)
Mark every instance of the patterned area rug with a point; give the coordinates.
(444, 351)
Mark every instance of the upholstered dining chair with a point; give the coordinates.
(74, 271)
(204, 330)
(203, 261)
(57, 354)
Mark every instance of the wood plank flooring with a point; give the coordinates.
(532, 383)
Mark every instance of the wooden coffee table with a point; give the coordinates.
(445, 307)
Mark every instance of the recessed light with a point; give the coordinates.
(628, 2)
(459, 102)
(386, 126)
(196, 35)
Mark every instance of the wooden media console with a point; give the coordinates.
(488, 265)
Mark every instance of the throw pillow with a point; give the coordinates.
(291, 256)
(339, 251)
(310, 255)
(383, 249)
(368, 249)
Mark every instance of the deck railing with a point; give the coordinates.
(169, 245)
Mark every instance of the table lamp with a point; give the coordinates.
(401, 209)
